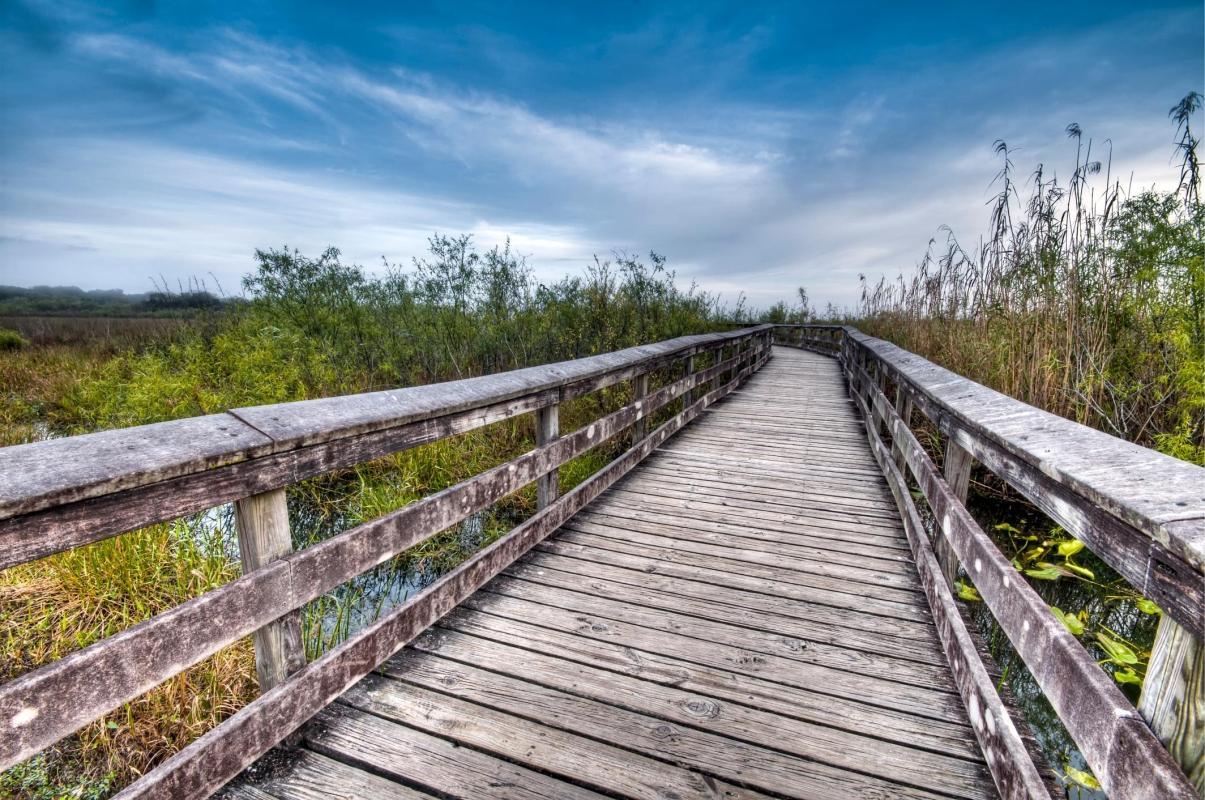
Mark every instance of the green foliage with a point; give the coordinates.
(45, 777)
(1052, 558)
(1091, 309)
(11, 340)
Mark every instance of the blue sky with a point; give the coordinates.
(758, 146)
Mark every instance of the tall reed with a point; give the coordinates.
(1083, 298)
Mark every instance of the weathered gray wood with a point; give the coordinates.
(310, 776)
(772, 579)
(587, 760)
(1008, 759)
(640, 389)
(210, 761)
(50, 530)
(1173, 698)
(660, 568)
(1118, 746)
(903, 407)
(71, 472)
(399, 752)
(708, 736)
(262, 522)
(1140, 511)
(43, 705)
(688, 370)
(548, 428)
(739, 682)
(917, 688)
(957, 471)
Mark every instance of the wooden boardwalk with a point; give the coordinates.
(739, 617)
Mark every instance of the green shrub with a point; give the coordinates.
(11, 340)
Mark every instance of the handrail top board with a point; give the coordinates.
(1162, 496)
(43, 474)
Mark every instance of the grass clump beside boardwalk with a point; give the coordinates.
(311, 327)
(12, 340)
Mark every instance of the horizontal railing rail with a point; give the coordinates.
(1141, 512)
(85, 488)
(64, 493)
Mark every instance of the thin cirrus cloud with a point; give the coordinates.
(142, 148)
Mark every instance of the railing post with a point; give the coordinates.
(548, 428)
(1173, 698)
(262, 522)
(903, 407)
(640, 389)
(957, 472)
(690, 370)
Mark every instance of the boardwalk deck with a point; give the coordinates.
(739, 617)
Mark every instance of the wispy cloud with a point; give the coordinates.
(213, 143)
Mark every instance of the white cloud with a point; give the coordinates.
(740, 196)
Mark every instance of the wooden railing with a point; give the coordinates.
(64, 493)
(1141, 512)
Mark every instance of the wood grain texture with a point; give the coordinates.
(548, 427)
(211, 761)
(48, 703)
(79, 473)
(1140, 511)
(262, 522)
(630, 664)
(1120, 749)
(1173, 698)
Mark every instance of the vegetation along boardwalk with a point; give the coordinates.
(751, 601)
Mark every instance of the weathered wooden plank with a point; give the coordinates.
(735, 557)
(402, 753)
(42, 706)
(1122, 752)
(640, 388)
(213, 759)
(699, 732)
(741, 683)
(1013, 771)
(1140, 511)
(736, 720)
(665, 564)
(586, 760)
(957, 472)
(262, 522)
(783, 615)
(311, 776)
(686, 495)
(917, 688)
(1173, 698)
(744, 541)
(775, 578)
(62, 527)
(81, 475)
(548, 427)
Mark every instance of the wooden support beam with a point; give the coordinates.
(262, 521)
(690, 370)
(957, 472)
(1173, 698)
(903, 407)
(640, 390)
(548, 428)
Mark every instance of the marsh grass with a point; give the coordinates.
(63, 603)
(312, 328)
(1084, 299)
